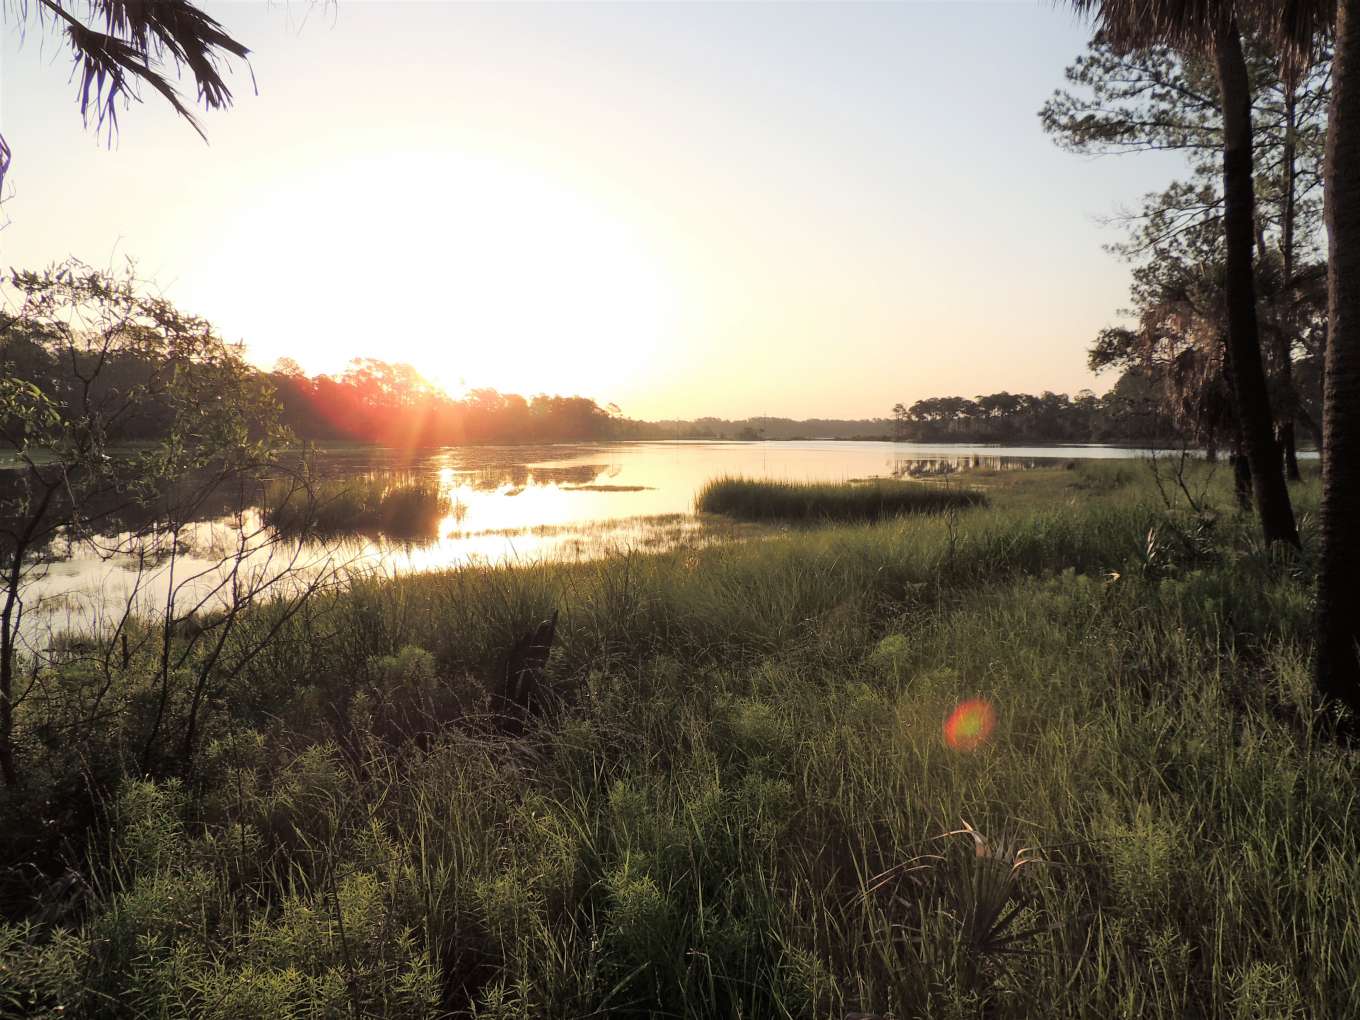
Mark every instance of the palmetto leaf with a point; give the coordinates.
(988, 896)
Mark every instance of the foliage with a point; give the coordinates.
(747, 739)
(1155, 98)
(87, 358)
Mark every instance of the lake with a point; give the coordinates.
(505, 504)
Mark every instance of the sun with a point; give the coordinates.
(478, 272)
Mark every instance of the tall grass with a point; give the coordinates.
(738, 804)
(753, 499)
(402, 509)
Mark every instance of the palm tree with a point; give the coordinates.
(1212, 25)
(1298, 24)
(1337, 662)
(117, 44)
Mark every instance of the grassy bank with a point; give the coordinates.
(733, 801)
(755, 499)
(401, 509)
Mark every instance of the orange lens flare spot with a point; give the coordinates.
(969, 725)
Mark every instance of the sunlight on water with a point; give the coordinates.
(505, 505)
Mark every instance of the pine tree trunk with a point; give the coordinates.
(1285, 324)
(1338, 622)
(1244, 340)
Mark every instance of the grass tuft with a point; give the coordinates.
(752, 499)
(411, 509)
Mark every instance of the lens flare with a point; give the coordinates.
(969, 725)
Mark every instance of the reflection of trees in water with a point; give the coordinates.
(518, 476)
(939, 467)
(110, 511)
(110, 514)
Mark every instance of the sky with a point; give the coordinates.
(803, 210)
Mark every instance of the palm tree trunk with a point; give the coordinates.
(1241, 467)
(1244, 338)
(1338, 622)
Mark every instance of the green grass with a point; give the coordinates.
(752, 499)
(736, 805)
(398, 508)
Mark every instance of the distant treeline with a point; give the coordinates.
(374, 401)
(392, 404)
(1130, 413)
(764, 427)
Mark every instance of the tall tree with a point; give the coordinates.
(1338, 649)
(1212, 27)
(1301, 24)
(1156, 99)
(117, 45)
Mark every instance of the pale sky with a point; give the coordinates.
(685, 209)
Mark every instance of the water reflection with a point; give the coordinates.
(943, 466)
(509, 504)
(518, 476)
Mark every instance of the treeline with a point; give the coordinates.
(763, 427)
(372, 401)
(1130, 413)
(392, 404)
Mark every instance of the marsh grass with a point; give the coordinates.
(734, 807)
(753, 499)
(400, 508)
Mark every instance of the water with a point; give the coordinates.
(507, 504)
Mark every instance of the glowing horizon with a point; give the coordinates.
(685, 211)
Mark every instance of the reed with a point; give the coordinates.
(397, 508)
(753, 499)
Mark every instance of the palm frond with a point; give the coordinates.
(134, 41)
(1296, 25)
(1136, 24)
(118, 44)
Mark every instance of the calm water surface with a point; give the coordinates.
(519, 504)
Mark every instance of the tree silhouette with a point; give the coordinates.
(1300, 25)
(1214, 27)
(1157, 99)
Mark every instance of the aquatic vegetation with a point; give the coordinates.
(400, 509)
(753, 499)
